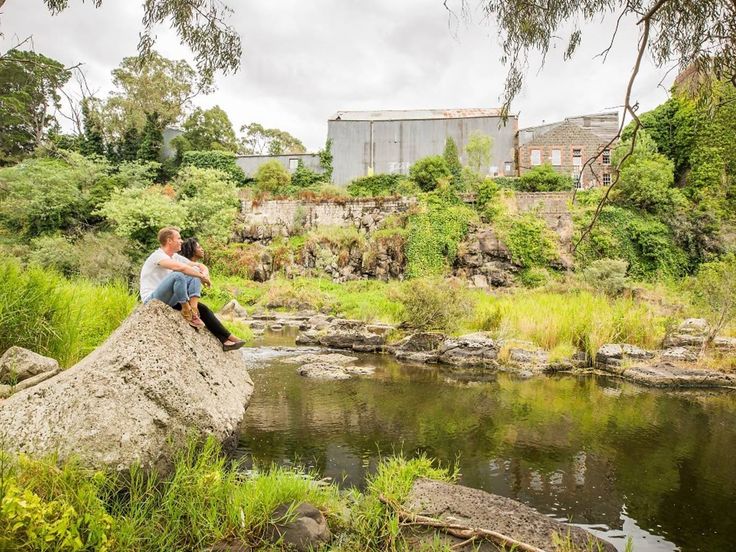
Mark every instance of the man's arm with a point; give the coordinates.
(189, 270)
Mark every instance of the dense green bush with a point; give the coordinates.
(376, 185)
(272, 177)
(215, 159)
(607, 276)
(429, 171)
(543, 178)
(528, 239)
(714, 292)
(434, 304)
(304, 177)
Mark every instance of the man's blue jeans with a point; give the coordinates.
(177, 288)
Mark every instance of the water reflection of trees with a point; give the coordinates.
(575, 447)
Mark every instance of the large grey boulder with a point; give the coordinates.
(614, 354)
(135, 399)
(473, 508)
(665, 374)
(419, 347)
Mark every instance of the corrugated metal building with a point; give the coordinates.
(375, 142)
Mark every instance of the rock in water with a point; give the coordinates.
(136, 398)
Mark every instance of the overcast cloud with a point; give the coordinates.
(303, 61)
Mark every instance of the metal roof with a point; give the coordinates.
(416, 114)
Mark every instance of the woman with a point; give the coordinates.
(191, 249)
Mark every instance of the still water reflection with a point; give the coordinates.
(620, 459)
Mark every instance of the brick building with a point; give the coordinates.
(567, 145)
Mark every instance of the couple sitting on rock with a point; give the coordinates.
(177, 280)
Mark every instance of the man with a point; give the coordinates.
(173, 279)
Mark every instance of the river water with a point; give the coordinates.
(619, 459)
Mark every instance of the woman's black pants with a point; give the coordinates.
(211, 322)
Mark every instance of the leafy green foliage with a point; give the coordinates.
(375, 185)
(452, 158)
(272, 177)
(530, 242)
(478, 150)
(207, 129)
(434, 233)
(714, 291)
(543, 178)
(433, 303)
(304, 177)
(429, 171)
(325, 160)
(642, 240)
(152, 138)
(220, 160)
(138, 213)
(607, 276)
(29, 94)
(210, 200)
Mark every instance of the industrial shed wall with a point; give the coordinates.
(250, 163)
(393, 146)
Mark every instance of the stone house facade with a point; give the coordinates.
(569, 145)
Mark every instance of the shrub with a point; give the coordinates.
(714, 291)
(530, 242)
(543, 178)
(478, 150)
(607, 276)
(137, 214)
(428, 172)
(304, 177)
(434, 304)
(221, 160)
(486, 199)
(376, 185)
(210, 200)
(272, 177)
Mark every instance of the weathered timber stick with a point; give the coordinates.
(457, 530)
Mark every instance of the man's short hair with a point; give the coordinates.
(165, 233)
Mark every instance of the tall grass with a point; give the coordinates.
(580, 319)
(61, 318)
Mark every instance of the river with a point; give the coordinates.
(618, 459)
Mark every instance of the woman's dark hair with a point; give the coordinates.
(188, 248)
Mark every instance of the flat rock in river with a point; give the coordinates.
(474, 508)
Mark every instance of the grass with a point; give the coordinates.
(206, 500)
(61, 318)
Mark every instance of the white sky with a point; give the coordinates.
(303, 61)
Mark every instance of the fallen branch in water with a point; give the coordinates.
(457, 530)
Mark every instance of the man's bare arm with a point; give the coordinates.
(189, 270)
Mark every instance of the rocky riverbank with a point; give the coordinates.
(675, 365)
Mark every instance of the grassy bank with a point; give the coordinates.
(563, 318)
(54, 316)
(207, 500)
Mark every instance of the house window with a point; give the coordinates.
(606, 179)
(293, 164)
(508, 167)
(607, 157)
(494, 170)
(577, 177)
(536, 157)
(577, 157)
(556, 158)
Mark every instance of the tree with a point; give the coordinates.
(29, 95)
(272, 176)
(152, 138)
(208, 129)
(478, 150)
(325, 160)
(304, 177)
(452, 158)
(259, 140)
(158, 85)
(427, 172)
(200, 25)
(92, 142)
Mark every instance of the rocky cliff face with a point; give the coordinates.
(135, 399)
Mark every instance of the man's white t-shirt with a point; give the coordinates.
(152, 274)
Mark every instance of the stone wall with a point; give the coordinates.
(269, 219)
(552, 207)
